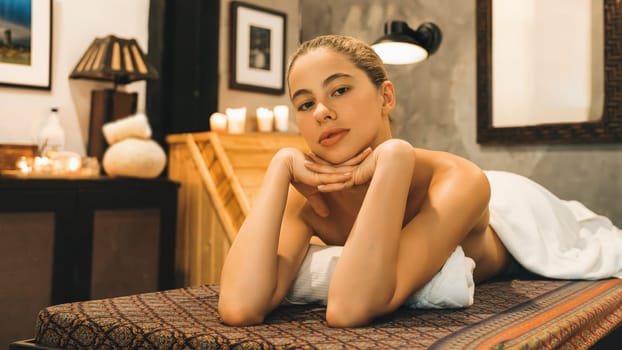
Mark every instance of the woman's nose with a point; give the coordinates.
(323, 113)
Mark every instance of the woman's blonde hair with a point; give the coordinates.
(357, 51)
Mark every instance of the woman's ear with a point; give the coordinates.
(387, 92)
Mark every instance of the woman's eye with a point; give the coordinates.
(305, 106)
(340, 91)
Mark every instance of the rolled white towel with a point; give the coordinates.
(452, 287)
(136, 126)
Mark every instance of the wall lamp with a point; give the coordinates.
(403, 45)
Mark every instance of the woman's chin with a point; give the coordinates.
(335, 158)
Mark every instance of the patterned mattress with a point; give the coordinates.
(506, 314)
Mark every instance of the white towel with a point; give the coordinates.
(135, 126)
(549, 236)
(452, 287)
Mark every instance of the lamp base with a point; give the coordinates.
(107, 105)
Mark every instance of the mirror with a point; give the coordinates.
(517, 67)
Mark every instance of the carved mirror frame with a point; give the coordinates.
(606, 130)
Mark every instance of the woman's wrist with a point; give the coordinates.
(283, 161)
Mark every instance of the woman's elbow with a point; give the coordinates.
(239, 314)
(347, 315)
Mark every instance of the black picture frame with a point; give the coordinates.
(257, 49)
(26, 49)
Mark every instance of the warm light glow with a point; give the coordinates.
(58, 164)
(42, 165)
(218, 122)
(281, 117)
(24, 165)
(237, 119)
(400, 53)
(74, 164)
(265, 119)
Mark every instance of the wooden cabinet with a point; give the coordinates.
(64, 240)
(220, 175)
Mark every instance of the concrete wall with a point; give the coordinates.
(437, 100)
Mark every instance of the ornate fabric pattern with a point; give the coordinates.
(187, 318)
(574, 316)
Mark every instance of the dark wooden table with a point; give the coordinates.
(74, 202)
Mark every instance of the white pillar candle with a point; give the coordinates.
(265, 119)
(218, 122)
(281, 117)
(237, 119)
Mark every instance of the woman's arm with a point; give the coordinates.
(270, 246)
(384, 262)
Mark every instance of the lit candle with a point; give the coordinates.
(264, 119)
(73, 165)
(42, 165)
(237, 119)
(24, 165)
(218, 122)
(281, 117)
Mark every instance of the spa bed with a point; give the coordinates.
(526, 314)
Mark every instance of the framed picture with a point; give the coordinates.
(257, 52)
(25, 43)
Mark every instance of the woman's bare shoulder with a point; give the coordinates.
(446, 171)
(439, 163)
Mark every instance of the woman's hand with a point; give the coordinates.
(361, 167)
(350, 166)
(308, 182)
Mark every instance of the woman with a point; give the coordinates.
(398, 211)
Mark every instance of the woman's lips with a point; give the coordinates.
(332, 136)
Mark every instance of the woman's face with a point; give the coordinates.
(338, 110)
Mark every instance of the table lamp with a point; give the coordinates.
(120, 61)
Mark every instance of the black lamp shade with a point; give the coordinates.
(114, 59)
(401, 44)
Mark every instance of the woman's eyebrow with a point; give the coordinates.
(300, 92)
(333, 77)
(324, 83)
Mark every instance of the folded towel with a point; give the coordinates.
(136, 126)
(452, 287)
(549, 236)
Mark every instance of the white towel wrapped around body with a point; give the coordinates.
(549, 236)
(452, 287)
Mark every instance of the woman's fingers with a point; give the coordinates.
(327, 169)
(357, 159)
(334, 187)
(329, 179)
